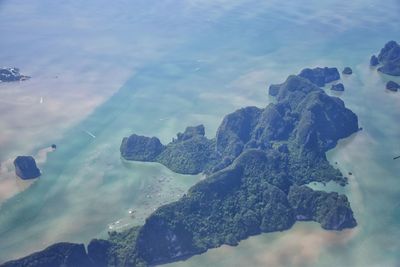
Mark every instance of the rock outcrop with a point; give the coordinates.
(141, 148)
(389, 58)
(374, 61)
(25, 167)
(347, 71)
(98, 252)
(339, 87)
(11, 75)
(392, 86)
(57, 255)
(190, 153)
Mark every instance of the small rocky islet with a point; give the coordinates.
(257, 168)
(11, 75)
(392, 86)
(347, 71)
(26, 168)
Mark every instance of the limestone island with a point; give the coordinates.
(389, 57)
(11, 75)
(257, 168)
(25, 167)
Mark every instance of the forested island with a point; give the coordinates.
(257, 168)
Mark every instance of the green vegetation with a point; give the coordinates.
(190, 153)
(257, 165)
(256, 170)
(191, 156)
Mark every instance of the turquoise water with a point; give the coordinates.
(219, 56)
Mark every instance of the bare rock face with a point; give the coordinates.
(25, 167)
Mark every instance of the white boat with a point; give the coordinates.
(89, 133)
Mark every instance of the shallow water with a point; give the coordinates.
(206, 59)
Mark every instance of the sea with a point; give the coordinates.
(103, 70)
